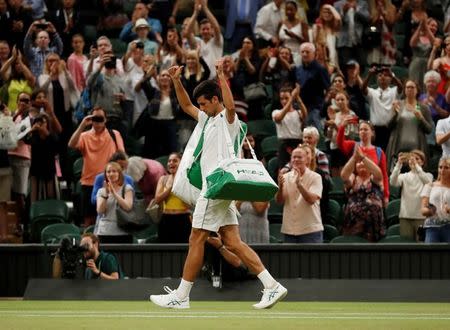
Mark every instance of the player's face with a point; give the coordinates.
(208, 106)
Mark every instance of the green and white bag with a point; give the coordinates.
(240, 179)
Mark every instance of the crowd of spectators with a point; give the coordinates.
(357, 90)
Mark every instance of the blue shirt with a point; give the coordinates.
(314, 80)
(36, 56)
(128, 35)
(98, 183)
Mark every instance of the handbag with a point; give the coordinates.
(240, 179)
(154, 211)
(194, 173)
(8, 133)
(255, 91)
(136, 218)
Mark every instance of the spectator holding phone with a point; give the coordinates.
(411, 182)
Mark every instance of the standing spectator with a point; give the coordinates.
(76, 62)
(311, 137)
(20, 20)
(44, 46)
(164, 10)
(96, 146)
(170, 52)
(293, 31)
(67, 22)
(240, 21)
(411, 182)
(435, 205)
(5, 51)
(300, 190)
(314, 81)
(175, 225)
(141, 11)
(354, 89)
(325, 30)
(421, 44)
(363, 183)
(409, 126)
(37, 8)
(211, 43)
(289, 122)
(380, 102)
(443, 135)
(382, 15)
(111, 16)
(5, 24)
(146, 173)
(376, 154)
(141, 29)
(96, 55)
(355, 16)
(143, 75)
(268, 20)
(107, 92)
(17, 78)
(253, 222)
(5, 168)
(115, 193)
(432, 98)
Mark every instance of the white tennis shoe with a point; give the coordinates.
(271, 296)
(170, 300)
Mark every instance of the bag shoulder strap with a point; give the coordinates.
(113, 137)
(233, 149)
(199, 147)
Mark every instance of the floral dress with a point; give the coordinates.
(364, 211)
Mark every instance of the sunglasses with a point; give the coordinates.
(98, 119)
(24, 100)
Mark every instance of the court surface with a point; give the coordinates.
(221, 315)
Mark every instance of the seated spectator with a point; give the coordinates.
(411, 182)
(157, 123)
(67, 21)
(96, 145)
(435, 205)
(293, 31)
(375, 153)
(211, 42)
(268, 20)
(409, 126)
(17, 78)
(76, 62)
(170, 52)
(253, 222)
(99, 264)
(146, 174)
(153, 30)
(432, 98)
(120, 158)
(175, 225)
(141, 28)
(289, 122)
(36, 55)
(300, 190)
(115, 193)
(363, 214)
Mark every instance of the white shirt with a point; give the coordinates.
(380, 103)
(412, 184)
(134, 70)
(212, 152)
(443, 127)
(290, 126)
(211, 52)
(268, 19)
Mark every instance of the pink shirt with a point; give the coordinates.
(299, 216)
(150, 179)
(22, 150)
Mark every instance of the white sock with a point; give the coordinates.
(184, 289)
(266, 279)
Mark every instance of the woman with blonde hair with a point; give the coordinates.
(194, 72)
(115, 193)
(325, 30)
(436, 205)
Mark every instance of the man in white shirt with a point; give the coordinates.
(214, 215)
(267, 21)
(380, 101)
(211, 42)
(443, 135)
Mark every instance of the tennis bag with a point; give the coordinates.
(240, 179)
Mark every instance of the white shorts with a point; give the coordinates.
(212, 214)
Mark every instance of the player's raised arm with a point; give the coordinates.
(182, 95)
(227, 95)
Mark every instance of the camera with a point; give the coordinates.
(140, 44)
(111, 64)
(98, 119)
(72, 259)
(42, 26)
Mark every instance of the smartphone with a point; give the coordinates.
(42, 26)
